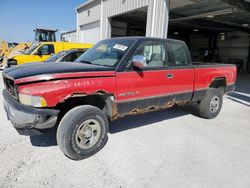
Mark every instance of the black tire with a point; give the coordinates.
(72, 140)
(211, 105)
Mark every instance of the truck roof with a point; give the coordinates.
(62, 43)
(140, 38)
(44, 29)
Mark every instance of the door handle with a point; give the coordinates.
(169, 76)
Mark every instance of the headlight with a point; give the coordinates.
(30, 100)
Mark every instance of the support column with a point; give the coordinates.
(166, 20)
(77, 28)
(157, 21)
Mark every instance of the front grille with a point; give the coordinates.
(10, 86)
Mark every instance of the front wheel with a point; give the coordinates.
(211, 105)
(82, 132)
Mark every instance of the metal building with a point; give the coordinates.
(100, 19)
(69, 36)
(214, 30)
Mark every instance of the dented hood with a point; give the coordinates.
(38, 69)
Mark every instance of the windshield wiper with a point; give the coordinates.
(102, 65)
(83, 61)
(88, 62)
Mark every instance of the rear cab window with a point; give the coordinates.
(178, 52)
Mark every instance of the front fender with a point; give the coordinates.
(57, 91)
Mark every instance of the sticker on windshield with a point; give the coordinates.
(120, 47)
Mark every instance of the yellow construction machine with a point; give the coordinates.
(10, 50)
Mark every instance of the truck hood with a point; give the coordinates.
(39, 70)
(20, 58)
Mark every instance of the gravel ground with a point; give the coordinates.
(168, 148)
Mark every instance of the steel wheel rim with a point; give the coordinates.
(214, 104)
(88, 133)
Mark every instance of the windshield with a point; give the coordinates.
(55, 57)
(45, 36)
(106, 52)
(31, 49)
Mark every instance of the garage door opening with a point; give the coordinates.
(90, 33)
(129, 24)
(215, 31)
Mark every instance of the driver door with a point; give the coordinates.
(141, 89)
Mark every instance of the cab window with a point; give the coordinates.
(46, 49)
(72, 56)
(178, 52)
(154, 52)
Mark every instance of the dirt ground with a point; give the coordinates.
(168, 148)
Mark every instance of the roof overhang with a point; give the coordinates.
(85, 4)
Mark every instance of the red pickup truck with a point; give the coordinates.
(116, 77)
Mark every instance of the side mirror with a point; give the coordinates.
(139, 61)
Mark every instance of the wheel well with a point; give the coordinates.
(219, 83)
(99, 100)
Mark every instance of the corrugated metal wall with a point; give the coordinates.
(90, 13)
(69, 37)
(86, 15)
(116, 7)
(157, 15)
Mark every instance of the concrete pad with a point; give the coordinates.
(168, 148)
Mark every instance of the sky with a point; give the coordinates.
(18, 18)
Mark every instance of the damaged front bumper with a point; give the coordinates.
(28, 120)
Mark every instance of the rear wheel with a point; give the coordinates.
(211, 105)
(82, 132)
